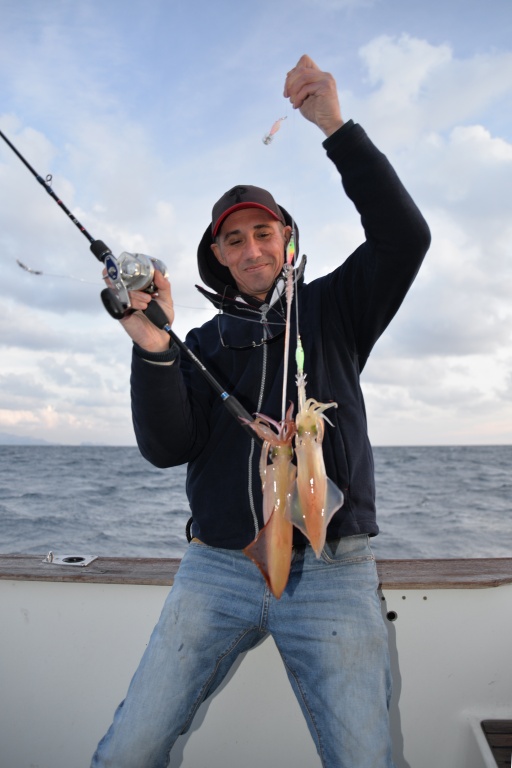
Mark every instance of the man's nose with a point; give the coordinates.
(252, 248)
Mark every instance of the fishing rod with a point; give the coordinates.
(135, 271)
(123, 273)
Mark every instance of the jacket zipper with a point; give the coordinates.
(264, 309)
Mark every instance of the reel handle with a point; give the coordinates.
(117, 310)
(112, 304)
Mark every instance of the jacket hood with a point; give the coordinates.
(218, 277)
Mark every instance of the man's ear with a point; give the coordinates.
(218, 253)
(287, 231)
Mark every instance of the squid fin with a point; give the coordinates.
(271, 551)
(314, 525)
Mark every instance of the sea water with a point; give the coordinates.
(431, 502)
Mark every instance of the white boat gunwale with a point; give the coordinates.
(72, 637)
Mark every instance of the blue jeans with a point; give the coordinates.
(327, 626)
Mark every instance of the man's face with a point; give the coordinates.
(251, 244)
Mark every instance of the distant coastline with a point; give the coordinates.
(8, 439)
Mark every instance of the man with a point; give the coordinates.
(327, 625)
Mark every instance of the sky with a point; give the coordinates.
(145, 111)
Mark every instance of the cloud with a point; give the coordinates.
(462, 178)
(439, 401)
(417, 87)
(140, 167)
(442, 371)
(462, 297)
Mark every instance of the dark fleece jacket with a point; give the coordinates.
(178, 418)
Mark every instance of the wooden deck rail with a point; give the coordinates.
(474, 573)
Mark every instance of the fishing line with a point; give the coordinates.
(299, 351)
(288, 267)
(116, 299)
(290, 271)
(52, 274)
(39, 272)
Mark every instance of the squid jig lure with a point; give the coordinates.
(268, 137)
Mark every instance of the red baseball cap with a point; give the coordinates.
(244, 197)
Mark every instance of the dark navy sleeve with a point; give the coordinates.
(171, 427)
(371, 284)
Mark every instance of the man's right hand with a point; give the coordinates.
(139, 327)
(315, 94)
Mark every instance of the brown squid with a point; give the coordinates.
(271, 550)
(316, 498)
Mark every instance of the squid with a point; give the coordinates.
(316, 498)
(271, 550)
(301, 496)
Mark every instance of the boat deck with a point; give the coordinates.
(499, 737)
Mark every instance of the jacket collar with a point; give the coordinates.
(232, 301)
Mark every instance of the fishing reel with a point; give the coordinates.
(129, 272)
